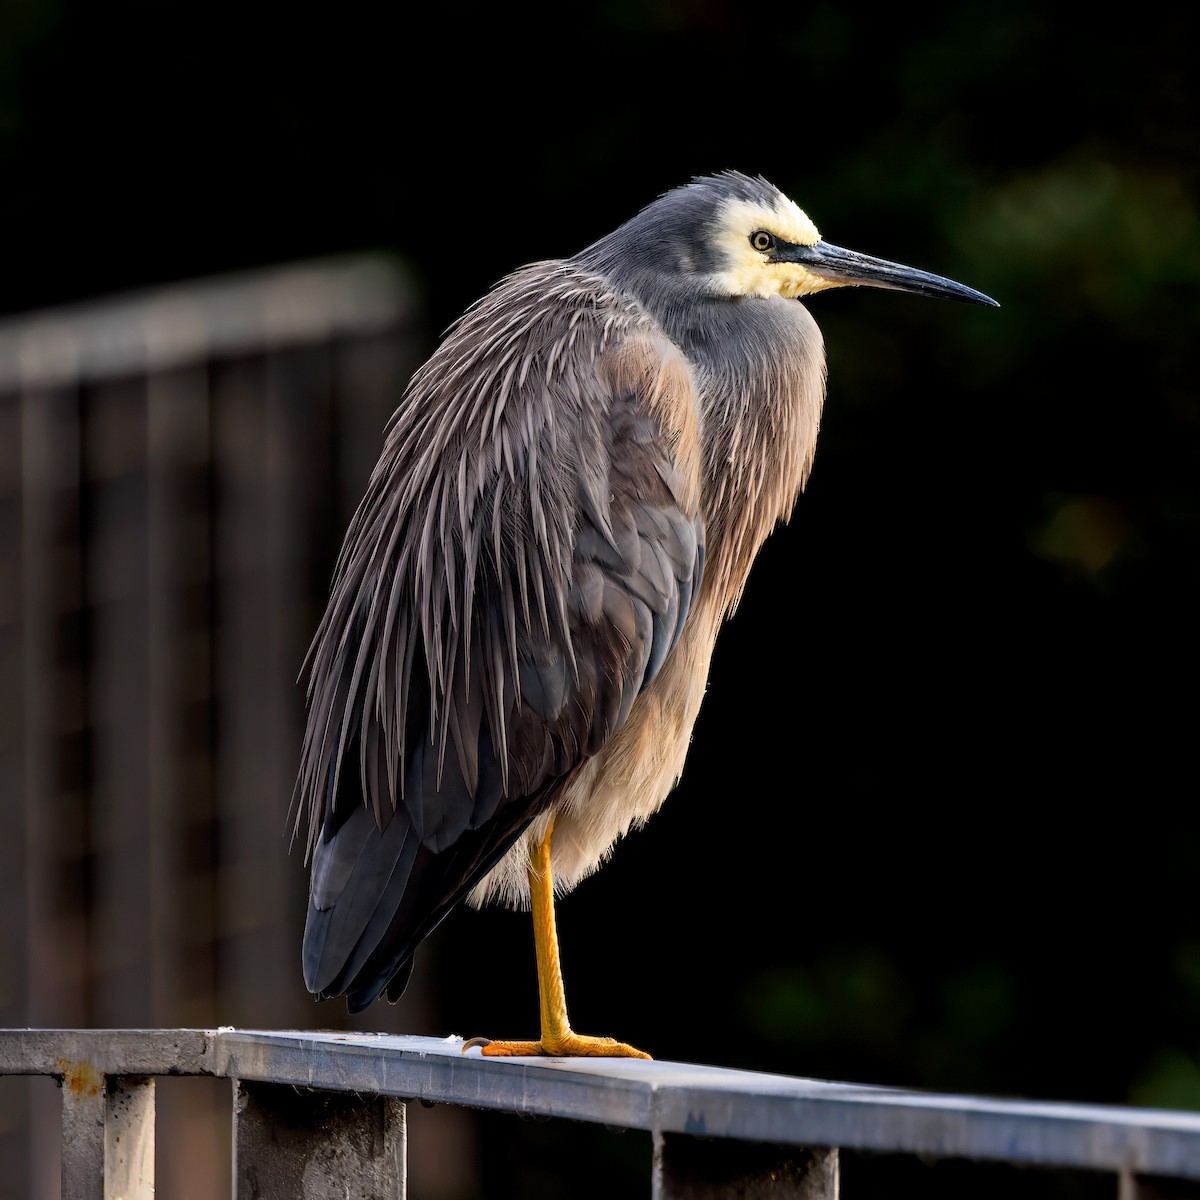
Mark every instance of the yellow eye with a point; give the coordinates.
(760, 239)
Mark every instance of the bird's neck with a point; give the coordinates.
(760, 368)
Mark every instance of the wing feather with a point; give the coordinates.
(518, 571)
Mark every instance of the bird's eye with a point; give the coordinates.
(760, 239)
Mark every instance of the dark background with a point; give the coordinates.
(938, 827)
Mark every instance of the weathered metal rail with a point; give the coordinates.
(322, 1115)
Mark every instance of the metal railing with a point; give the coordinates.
(321, 1115)
(177, 467)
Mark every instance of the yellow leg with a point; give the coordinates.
(557, 1038)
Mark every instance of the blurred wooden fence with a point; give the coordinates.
(176, 470)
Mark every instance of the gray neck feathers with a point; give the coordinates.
(760, 368)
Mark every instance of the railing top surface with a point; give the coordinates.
(664, 1097)
(176, 324)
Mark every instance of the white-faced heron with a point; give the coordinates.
(518, 636)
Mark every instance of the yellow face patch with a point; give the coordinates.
(748, 272)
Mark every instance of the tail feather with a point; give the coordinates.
(359, 879)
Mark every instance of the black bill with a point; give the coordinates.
(853, 269)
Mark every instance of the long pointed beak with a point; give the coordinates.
(851, 269)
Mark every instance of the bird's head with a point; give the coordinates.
(733, 235)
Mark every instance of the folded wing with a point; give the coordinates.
(523, 562)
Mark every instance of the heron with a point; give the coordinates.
(569, 499)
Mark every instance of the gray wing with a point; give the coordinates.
(523, 562)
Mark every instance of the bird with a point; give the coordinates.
(517, 640)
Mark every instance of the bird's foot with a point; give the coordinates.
(566, 1045)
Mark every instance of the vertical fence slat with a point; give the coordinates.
(1156, 1187)
(129, 1139)
(16, 1100)
(192, 1120)
(84, 1105)
(36, 631)
(53, 716)
(177, 532)
(297, 418)
(696, 1168)
(320, 1145)
(118, 584)
(252, 789)
(39, 1154)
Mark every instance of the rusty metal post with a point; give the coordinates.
(320, 1145)
(696, 1168)
(83, 1111)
